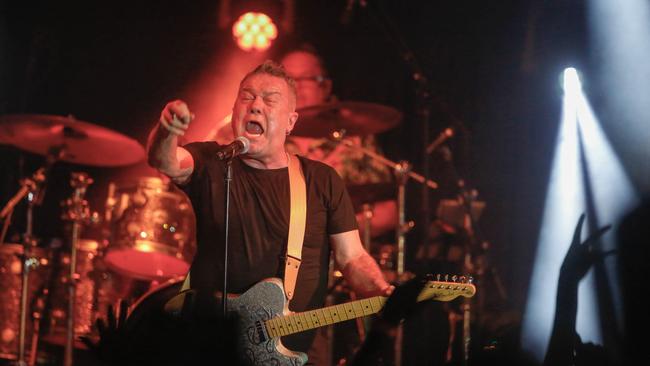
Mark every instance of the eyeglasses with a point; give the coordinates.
(317, 79)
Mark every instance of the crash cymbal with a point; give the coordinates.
(356, 118)
(371, 193)
(81, 142)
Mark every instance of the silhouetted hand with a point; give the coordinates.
(402, 301)
(112, 344)
(578, 260)
(399, 306)
(581, 256)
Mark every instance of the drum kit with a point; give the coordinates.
(55, 295)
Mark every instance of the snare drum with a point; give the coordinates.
(11, 284)
(153, 231)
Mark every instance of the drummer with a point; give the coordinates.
(314, 87)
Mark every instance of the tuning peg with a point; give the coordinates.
(454, 278)
(446, 278)
(438, 277)
(470, 280)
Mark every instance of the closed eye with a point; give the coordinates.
(271, 99)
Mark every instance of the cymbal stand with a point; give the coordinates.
(30, 188)
(469, 226)
(77, 212)
(402, 172)
(339, 137)
(367, 219)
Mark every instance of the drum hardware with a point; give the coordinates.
(59, 139)
(339, 136)
(442, 137)
(367, 217)
(77, 212)
(38, 307)
(33, 189)
(402, 172)
(12, 265)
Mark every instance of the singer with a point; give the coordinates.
(264, 114)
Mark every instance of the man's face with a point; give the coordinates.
(305, 69)
(264, 112)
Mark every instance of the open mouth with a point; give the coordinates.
(254, 128)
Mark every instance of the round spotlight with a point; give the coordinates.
(254, 31)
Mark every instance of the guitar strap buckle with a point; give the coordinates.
(292, 265)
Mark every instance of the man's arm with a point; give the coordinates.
(163, 152)
(358, 267)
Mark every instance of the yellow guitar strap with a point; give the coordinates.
(297, 222)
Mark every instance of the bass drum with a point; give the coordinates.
(152, 226)
(11, 285)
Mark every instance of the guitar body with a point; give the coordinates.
(264, 301)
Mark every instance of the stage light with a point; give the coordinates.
(564, 204)
(586, 177)
(619, 32)
(254, 31)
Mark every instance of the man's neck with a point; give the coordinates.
(277, 161)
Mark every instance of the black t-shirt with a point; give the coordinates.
(259, 224)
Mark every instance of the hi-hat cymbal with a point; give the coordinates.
(356, 118)
(80, 142)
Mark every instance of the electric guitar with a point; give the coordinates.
(264, 318)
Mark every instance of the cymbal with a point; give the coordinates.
(370, 193)
(81, 142)
(357, 118)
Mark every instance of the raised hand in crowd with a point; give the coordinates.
(565, 343)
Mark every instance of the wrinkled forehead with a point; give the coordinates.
(266, 84)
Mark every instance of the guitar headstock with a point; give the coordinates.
(447, 288)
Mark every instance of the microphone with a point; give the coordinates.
(237, 147)
(444, 135)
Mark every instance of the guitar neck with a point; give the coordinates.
(299, 322)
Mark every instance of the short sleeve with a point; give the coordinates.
(201, 152)
(341, 217)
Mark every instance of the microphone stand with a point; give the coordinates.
(227, 180)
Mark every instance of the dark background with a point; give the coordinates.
(492, 71)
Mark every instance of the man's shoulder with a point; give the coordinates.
(315, 167)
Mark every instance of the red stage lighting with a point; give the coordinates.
(254, 31)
